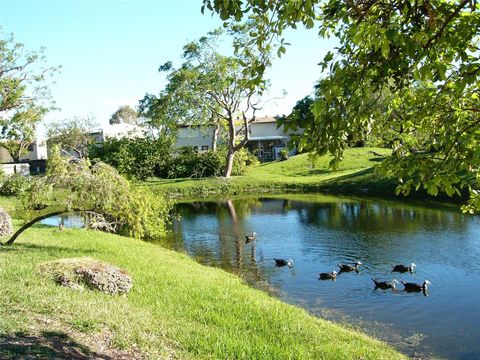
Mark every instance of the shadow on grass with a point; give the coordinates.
(19, 246)
(47, 345)
(377, 159)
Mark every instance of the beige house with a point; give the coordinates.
(266, 139)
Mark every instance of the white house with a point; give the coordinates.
(266, 139)
(35, 151)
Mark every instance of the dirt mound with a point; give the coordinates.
(77, 273)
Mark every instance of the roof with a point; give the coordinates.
(265, 119)
(272, 137)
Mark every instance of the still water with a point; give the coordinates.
(317, 233)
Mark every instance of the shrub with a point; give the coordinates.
(243, 161)
(283, 154)
(188, 162)
(139, 158)
(15, 184)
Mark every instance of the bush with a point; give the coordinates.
(144, 158)
(243, 161)
(15, 184)
(139, 158)
(283, 154)
(188, 162)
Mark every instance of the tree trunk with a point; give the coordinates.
(229, 164)
(216, 131)
(37, 219)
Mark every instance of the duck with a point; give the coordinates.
(348, 267)
(384, 285)
(403, 268)
(283, 262)
(251, 237)
(414, 287)
(328, 276)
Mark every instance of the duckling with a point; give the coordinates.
(413, 287)
(348, 268)
(283, 262)
(251, 237)
(328, 276)
(403, 268)
(384, 285)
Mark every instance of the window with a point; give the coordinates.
(205, 147)
(195, 147)
(30, 147)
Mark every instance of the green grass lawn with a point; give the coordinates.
(298, 174)
(177, 308)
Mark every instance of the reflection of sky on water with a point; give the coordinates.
(67, 220)
(318, 235)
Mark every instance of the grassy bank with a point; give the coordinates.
(298, 174)
(176, 309)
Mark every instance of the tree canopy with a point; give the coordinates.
(407, 67)
(210, 90)
(72, 135)
(24, 95)
(124, 115)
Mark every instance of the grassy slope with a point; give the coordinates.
(295, 175)
(176, 306)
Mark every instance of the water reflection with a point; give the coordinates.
(320, 234)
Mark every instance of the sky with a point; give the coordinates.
(110, 51)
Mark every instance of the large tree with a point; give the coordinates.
(24, 95)
(211, 91)
(124, 115)
(411, 66)
(72, 135)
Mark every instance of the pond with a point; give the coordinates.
(318, 233)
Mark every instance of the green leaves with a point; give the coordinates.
(24, 95)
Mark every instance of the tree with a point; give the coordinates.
(212, 91)
(124, 115)
(24, 96)
(413, 64)
(98, 190)
(72, 135)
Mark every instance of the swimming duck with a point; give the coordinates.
(403, 268)
(251, 237)
(413, 287)
(283, 262)
(348, 267)
(385, 284)
(328, 276)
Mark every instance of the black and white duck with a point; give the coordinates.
(251, 237)
(328, 276)
(404, 268)
(414, 287)
(384, 285)
(283, 262)
(348, 267)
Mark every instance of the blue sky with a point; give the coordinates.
(110, 50)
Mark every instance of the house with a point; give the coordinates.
(117, 131)
(35, 151)
(266, 138)
(33, 162)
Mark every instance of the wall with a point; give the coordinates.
(194, 136)
(19, 168)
